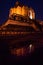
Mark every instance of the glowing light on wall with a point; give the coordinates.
(31, 14)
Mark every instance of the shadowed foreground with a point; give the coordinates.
(34, 57)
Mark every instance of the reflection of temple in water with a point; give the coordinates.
(21, 30)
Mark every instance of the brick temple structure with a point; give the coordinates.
(22, 33)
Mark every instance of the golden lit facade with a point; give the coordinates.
(24, 11)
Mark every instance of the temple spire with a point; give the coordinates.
(18, 3)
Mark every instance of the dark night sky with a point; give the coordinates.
(5, 5)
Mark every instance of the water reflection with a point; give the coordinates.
(23, 51)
